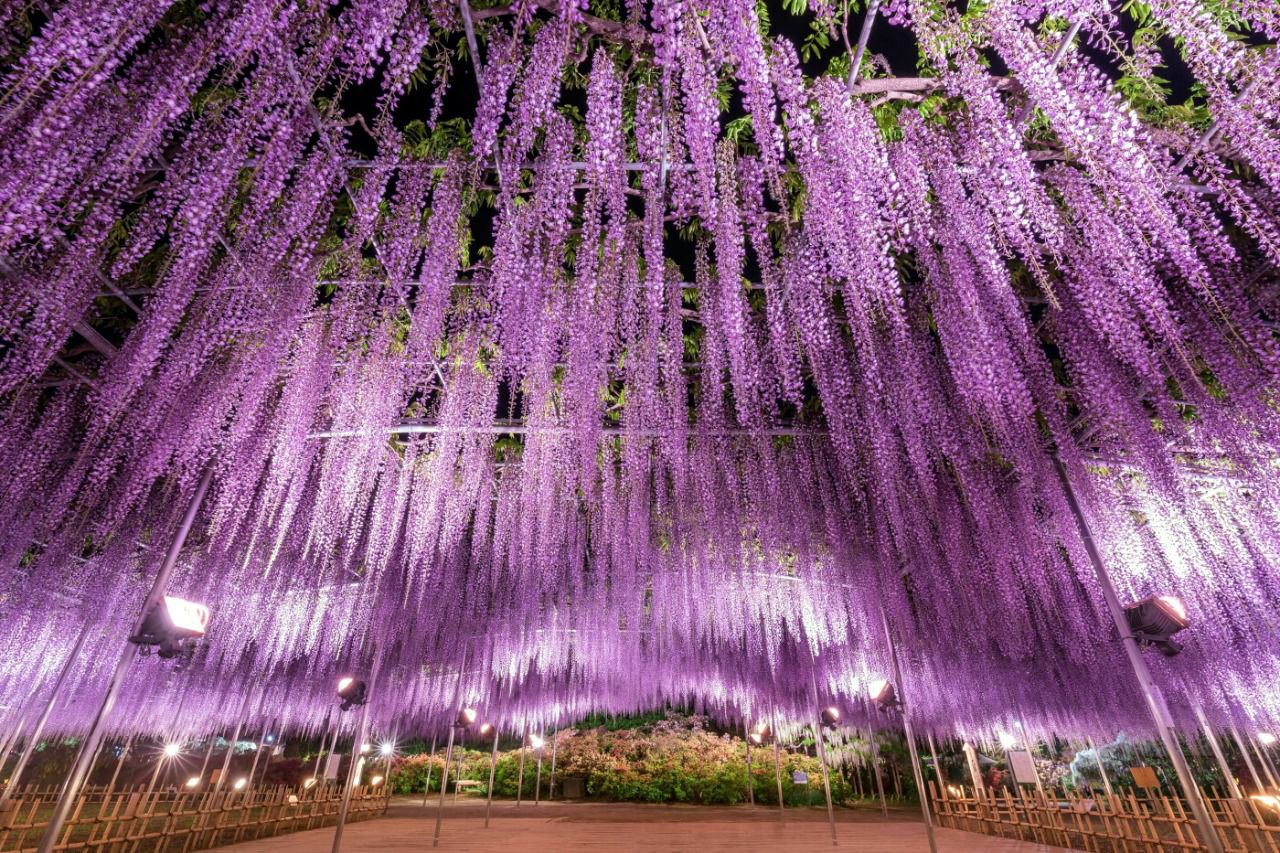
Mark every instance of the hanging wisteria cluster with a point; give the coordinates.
(639, 354)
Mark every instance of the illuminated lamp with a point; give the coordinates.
(1008, 741)
(1266, 738)
(171, 750)
(173, 625)
(387, 749)
(1155, 619)
(309, 784)
(883, 694)
(466, 717)
(353, 692)
(537, 742)
(830, 716)
(376, 780)
(240, 783)
(193, 782)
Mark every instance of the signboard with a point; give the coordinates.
(1023, 767)
(799, 777)
(331, 765)
(1144, 777)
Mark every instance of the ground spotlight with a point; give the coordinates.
(466, 717)
(1155, 619)
(171, 750)
(173, 624)
(352, 692)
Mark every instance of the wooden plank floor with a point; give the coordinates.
(632, 828)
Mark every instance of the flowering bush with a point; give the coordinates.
(673, 760)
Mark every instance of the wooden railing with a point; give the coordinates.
(1120, 823)
(133, 821)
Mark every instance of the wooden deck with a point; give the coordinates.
(633, 828)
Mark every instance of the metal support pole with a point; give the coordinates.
(124, 754)
(551, 780)
(448, 752)
(537, 779)
(1237, 804)
(362, 732)
(1102, 769)
(151, 785)
(1151, 693)
(1233, 787)
(520, 779)
(89, 747)
(266, 761)
(906, 728)
(231, 744)
(937, 766)
(1248, 759)
(457, 776)
(493, 769)
(777, 768)
(822, 757)
(431, 765)
(1265, 761)
(875, 765)
(324, 739)
(257, 754)
(751, 785)
(38, 730)
(208, 756)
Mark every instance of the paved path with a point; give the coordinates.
(632, 828)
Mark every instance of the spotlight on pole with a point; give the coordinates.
(1155, 619)
(536, 742)
(1007, 741)
(830, 716)
(1266, 738)
(171, 750)
(883, 694)
(466, 717)
(173, 625)
(485, 731)
(353, 692)
(387, 749)
(761, 734)
(193, 782)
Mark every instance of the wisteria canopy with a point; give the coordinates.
(598, 357)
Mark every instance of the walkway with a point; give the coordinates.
(632, 828)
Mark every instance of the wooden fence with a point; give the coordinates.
(1120, 823)
(133, 821)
